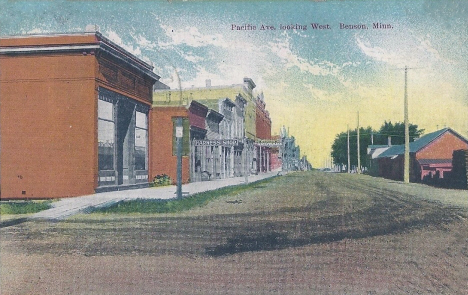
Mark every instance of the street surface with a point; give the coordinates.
(303, 233)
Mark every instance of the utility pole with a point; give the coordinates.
(406, 168)
(358, 148)
(349, 159)
(179, 140)
(246, 162)
(407, 151)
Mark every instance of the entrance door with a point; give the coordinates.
(125, 142)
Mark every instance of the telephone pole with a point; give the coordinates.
(358, 148)
(406, 172)
(179, 141)
(349, 159)
(406, 168)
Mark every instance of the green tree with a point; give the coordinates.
(340, 146)
(397, 133)
(366, 136)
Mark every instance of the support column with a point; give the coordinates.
(268, 160)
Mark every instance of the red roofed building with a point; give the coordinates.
(430, 156)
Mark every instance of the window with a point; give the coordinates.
(141, 140)
(122, 139)
(106, 135)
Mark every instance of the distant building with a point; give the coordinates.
(74, 115)
(263, 132)
(304, 164)
(236, 105)
(160, 86)
(276, 161)
(290, 152)
(430, 156)
(373, 152)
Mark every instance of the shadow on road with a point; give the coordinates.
(385, 217)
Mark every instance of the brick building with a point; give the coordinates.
(263, 133)
(234, 154)
(430, 157)
(74, 115)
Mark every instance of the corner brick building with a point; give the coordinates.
(74, 116)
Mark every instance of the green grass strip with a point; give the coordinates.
(177, 205)
(23, 207)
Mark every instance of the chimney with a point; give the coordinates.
(249, 84)
(389, 139)
(208, 82)
(92, 28)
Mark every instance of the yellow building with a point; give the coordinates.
(237, 105)
(210, 96)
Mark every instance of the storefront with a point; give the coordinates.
(215, 159)
(122, 139)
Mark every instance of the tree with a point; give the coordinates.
(340, 146)
(396, 131)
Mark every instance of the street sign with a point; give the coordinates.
(216, 142)
(179, 131)
(268, 143)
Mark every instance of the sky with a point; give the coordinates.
(315, 81)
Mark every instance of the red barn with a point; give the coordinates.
(430, 156)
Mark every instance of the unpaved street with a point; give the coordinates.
(304, 233)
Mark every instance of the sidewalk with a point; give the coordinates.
(69, 206)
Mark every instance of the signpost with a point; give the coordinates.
(179, 140)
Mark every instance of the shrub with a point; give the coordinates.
(161, 180)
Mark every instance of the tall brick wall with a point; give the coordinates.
(48, 126)
(161, 159)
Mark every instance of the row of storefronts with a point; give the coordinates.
(223, 139)
(79, 114)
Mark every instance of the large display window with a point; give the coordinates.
(122, 140)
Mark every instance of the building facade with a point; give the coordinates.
(74, 115)
(430, 157)
(229, 148)
(290, 152)
(163, 160)
(263, 134)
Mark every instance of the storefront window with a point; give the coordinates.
(141, 141)
(106, 135)
(122, 140)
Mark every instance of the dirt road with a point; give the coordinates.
(304, 233)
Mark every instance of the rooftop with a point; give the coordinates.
(418, 144)
(71, 42)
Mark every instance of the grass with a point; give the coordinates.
(23, 207)
(177, 205)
